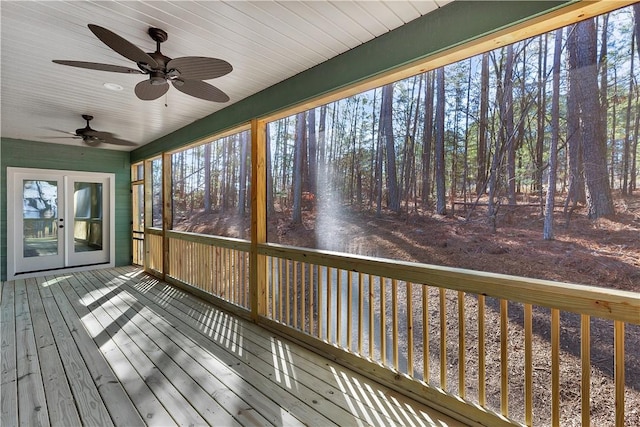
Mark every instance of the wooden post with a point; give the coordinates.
(257, 263)
(167, 212)
(148, 211)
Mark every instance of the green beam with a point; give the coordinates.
(456, 23)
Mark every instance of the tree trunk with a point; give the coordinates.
(508, 131)
(481, 179)
(553, 149)
(271, 210)
(598, 192)
(439, 149)
(626, 149)
(207, 178)
(242, 174)
(386, 129)
(297, 169)
(313, 151)
(541, 116)
(427, 138)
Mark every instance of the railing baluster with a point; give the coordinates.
(443, 339)
(281, 284)
(371, 318)
(482, 395)
(360, 311)
(303, 296)
(272, 261)
(555, 367)
(295, 295)
(425, 334)
(528, 365)
(618, 351)
(312, 268)
(394, 313)
(328, 286)
(383, 320)
(287, 289)
(585, 357)
(320, 303)
(349, 309)
(504, 357)
(409, 294)
(461, 346)
(339, 307)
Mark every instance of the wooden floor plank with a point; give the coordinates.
(166, 357)
(60, 402)
(136, 391)
(271, 353)
(8, 363)
(125, 312)
(295, 401)
(174, 345)
(116, 400)
(243, 398)
(87, 398)
(353, 392)
(32, 404)
(175, 403)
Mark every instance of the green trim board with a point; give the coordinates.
(455, 24)
(41, 155)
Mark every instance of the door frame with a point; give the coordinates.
(12, 229)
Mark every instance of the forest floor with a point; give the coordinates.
(604, 253)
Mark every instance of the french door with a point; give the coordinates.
(58, 220)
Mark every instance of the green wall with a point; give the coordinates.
(454, 24)
(29, 154)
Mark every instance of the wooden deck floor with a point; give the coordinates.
(118, 347)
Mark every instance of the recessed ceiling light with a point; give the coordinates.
(112, 86)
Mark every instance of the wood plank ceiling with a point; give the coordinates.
(265, 41)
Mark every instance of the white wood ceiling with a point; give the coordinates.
(265, 41)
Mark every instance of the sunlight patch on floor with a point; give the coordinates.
(54, 281)
(283, 366)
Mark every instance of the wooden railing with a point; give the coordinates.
(492, 340)
(216, 265)
(493, 348)
(153, 249)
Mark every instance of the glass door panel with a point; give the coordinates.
(36, 204)
(88, 232)
(39, 218)
(87, 216)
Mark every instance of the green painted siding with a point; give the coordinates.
(452, 25)
(29, 154)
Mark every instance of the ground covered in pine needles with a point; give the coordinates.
(604, 253)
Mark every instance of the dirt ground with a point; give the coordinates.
(604, 253)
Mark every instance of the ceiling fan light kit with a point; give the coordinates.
(185, 73)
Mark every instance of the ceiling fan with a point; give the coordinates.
(186, 73)
(93, 137)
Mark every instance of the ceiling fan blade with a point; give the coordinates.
(98, 66)
(148, 92)
(71, 134)
(118, 141)
(122, 46)
(95, 134)
(201, 90)
(61, 137)
(199, 67)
